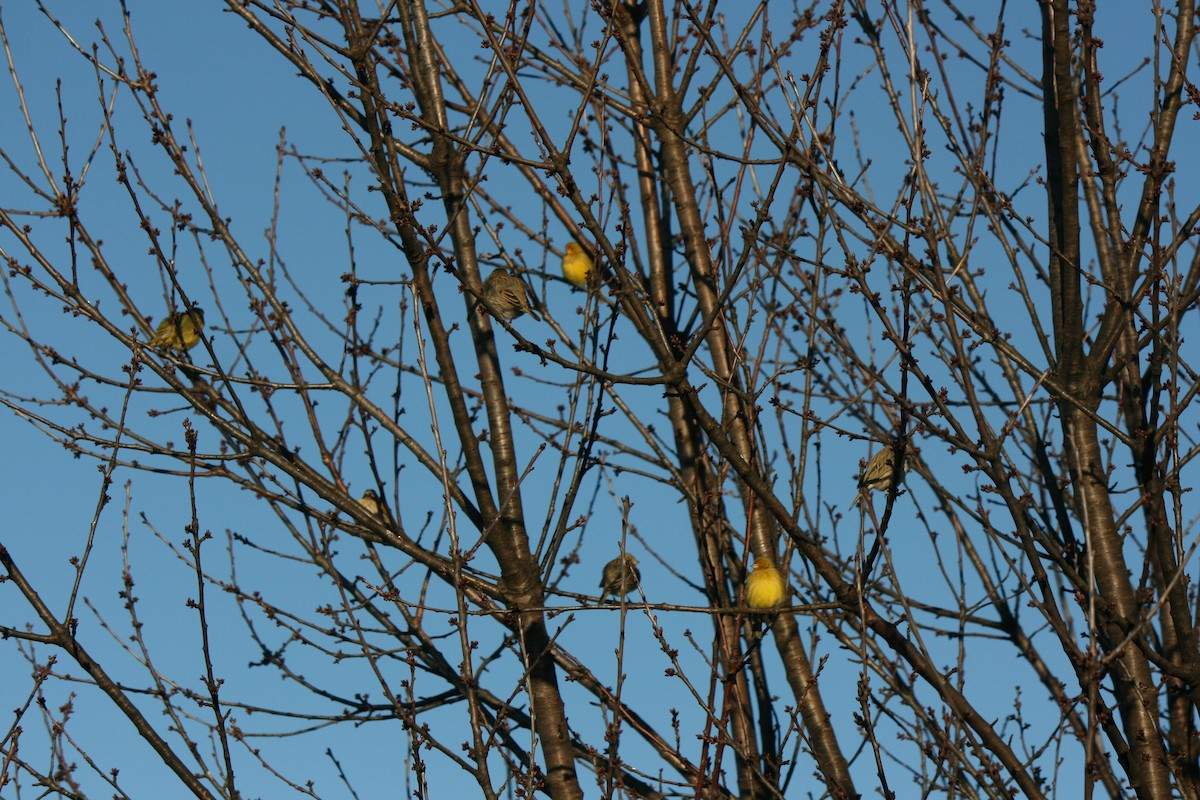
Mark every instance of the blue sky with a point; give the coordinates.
(238, 96)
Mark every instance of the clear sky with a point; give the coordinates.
(238, 96)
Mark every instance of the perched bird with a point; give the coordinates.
(765, 587)
(620, 577)
(377, 508)
(180, 330)
(577, 265)
(373, 505)
(877, 477)
(506, 297)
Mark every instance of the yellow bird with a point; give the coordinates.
(180, 330)
(765, 587)
(877, 477)
(577, 266)
(620, 577)
(506, 297)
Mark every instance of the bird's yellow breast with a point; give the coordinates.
(765, 587)
(179, 331)
(577, 265)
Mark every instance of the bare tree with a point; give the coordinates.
(826, 239)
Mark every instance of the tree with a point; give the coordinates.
(840, 232)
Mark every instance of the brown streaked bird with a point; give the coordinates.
(506, 296)
(877, 477)
(620, 577)
(370, 501)
(180, 330)
(378, 509)
(577, 265)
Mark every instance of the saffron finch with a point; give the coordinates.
(577, 265)
(620, 577)
(765, 587)
(180, 330)
(877, 477)
(506, 297)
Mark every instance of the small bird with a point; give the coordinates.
(877, 477)
(621, 576)
(180, 330)
(506, 297)
(374, 505)
(577, 265)
(765, 587)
